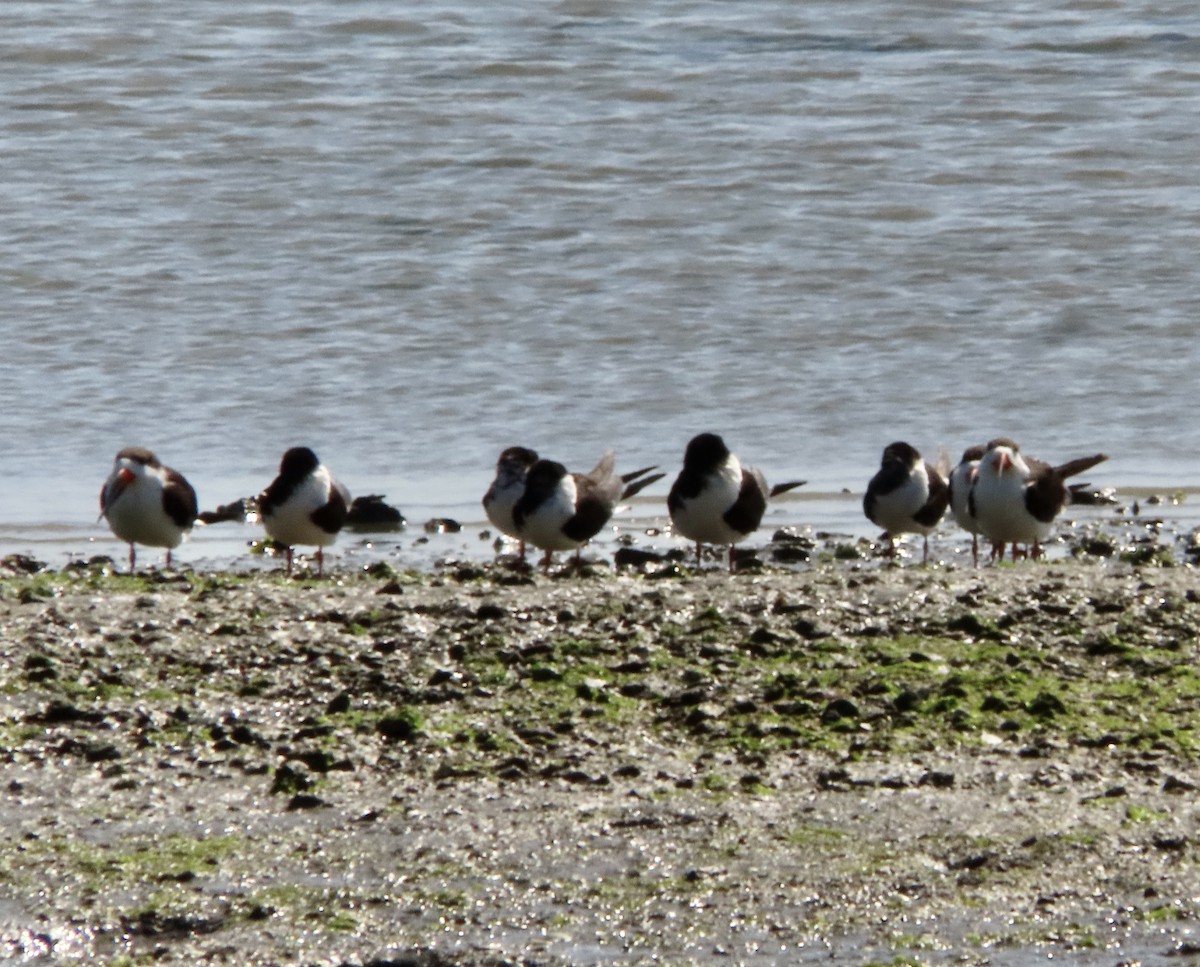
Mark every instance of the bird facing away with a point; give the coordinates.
(304, 505)
(716, 500)
(147, 503)
(962, 477)
(562, 511)
(1016, 499)
(906, 495)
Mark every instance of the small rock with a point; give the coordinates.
(304, 800)
(635, 557)
(1171, 844)
(442, 525)
(839, 708)
(372, 513)
(1175, 785)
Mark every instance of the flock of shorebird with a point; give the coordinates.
(994, 492)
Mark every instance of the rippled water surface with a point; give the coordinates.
(412, 234)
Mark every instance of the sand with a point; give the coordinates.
(840, 763)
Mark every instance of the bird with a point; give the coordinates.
(304, 505)
(906, 495)
(147, 503)
(501, 497)
(1016, 499)
(716, 500)
(562, 511)
(960, 480)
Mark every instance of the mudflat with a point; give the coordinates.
(472, 766)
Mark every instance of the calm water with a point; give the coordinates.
(412, 234)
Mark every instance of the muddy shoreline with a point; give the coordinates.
(840, 763)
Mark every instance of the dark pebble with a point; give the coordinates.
(635, 557)
(1175, 785)
(373, 513)
(1171, 844)
(396, 728)
(1046, 706)
(304, 800)
(839, 708)
(442, 525)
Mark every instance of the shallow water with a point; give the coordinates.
(410, 235)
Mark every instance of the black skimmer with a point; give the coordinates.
(304, 505)
(906, 496)
(1015, 499)
(960, 480)
(562, 511)
(147, 503)
(511, 470)
(716, 500)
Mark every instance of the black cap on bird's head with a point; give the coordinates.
(900, 452)
(517, 457)
(544, 474)
(138, 455)
(298, 462)
(704, 451)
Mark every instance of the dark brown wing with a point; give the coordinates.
(639, 484)
(1080, 465)
(593, 508)
(1045, 495)
(939, 499)
(331, 516)
(179, 499)
(747, 511)
(783, 488)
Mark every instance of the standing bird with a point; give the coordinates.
(715, 500)
(906, 496)
(561, 511)
(304, 505)
(1015, 499)
(147, 503)
(961, 480)
(512, 469)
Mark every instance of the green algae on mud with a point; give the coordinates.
(918, 762)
